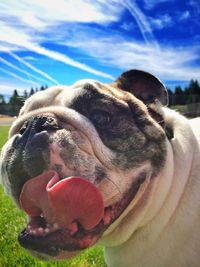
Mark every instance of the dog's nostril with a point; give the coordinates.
(23, 128)
(39, 124)
(50, 123)
(45, 123)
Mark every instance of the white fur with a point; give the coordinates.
(167, 231)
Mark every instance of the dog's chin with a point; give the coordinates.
(60, 243)
(62, 255)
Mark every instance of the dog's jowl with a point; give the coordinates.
(106, 163)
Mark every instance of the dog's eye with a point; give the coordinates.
(100, 118)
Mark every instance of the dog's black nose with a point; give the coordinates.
(34, 126)
(38, 124)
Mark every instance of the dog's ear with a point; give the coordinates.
(143, 85)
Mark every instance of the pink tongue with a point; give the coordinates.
(63, 201)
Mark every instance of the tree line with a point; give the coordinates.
(185, 96)
(16, 101)
(180, 96)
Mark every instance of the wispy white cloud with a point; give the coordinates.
(142, 22)
(165, 62)
(30, 66)
(28, 74)
(185, 15)
(44, 13)
(29, 34)
(149, 4)
(29, 58)
(12, 74)
(127, 26)
(162, 21)
(28, 24)
(67, 60)
(195, 4)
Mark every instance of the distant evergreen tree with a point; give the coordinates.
(171, 96)
(186, 91)
(15, 103)
(25, 95)
(32, 92)
(2, 100)
(193, 91)
(179, 96)
(15, 98)
(169, 91)
(194, 87)
(2, 105)
(178, 90)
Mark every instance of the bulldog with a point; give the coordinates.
(108, 164)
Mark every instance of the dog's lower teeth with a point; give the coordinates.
(47, 230)
(55, 226)
(40, 231)
(37, 231)
(38, 226)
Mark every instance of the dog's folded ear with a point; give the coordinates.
(143, 85)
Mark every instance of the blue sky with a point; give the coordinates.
(59, 42)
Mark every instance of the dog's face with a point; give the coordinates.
(78, 156)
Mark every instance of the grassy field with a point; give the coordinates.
(12, 222)
(3, 134)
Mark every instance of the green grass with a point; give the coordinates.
(3, 134)
(12, 221)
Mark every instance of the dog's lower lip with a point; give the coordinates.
(54, 242)
(34, 239)
(31, 243)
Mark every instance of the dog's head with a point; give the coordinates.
(78, 156)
